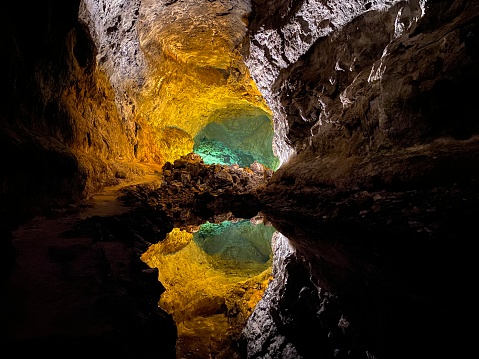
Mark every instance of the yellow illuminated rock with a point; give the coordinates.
(209, 296)
(196, 74)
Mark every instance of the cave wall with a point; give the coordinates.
(195, 68)
(114, 27)
(372, 114)
(25, 67)
(283, 36)
(62, 134)
(365, 80)
(383, 101)
(96, 88)
(114, 30)
(175, 68)
(377, 192)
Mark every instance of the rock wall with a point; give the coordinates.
(62, 138)
(114, 30)
(93, 88)
(62, 134)
(377, 132)
(283, 32)
(365, 104)
(175, 68)
(348, 66)
(374, 123)
(196, 75)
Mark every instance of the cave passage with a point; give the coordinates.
(197, 93)
(213, 278)
(237, 141)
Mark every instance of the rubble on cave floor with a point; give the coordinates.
(192, 192)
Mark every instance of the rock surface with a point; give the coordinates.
(378, 187)
(62, 137)
(192, 192)
(376, 128)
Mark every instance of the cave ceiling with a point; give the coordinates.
(176, 68)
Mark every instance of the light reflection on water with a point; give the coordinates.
(214, 278)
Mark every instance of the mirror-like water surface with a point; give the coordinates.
(213, 278)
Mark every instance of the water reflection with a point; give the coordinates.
(214, 276)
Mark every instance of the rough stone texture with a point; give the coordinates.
(193, 192)
(61, 135)
(174, 68)
(33, 123)
(73, 78)
(378, 189)
(283, 32)
(196, 75)
(342, 94)
(377, 130)
(113, 26)
(296, 318)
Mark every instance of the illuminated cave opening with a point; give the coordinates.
(197, 83)
(237, 141)
(213, 279)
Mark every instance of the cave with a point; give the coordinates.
(239, 179)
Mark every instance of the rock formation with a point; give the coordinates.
(375, 199)
(192, 192)
(376, 130)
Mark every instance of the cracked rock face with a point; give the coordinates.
(113, 26)
(377, 132)
(282, 33)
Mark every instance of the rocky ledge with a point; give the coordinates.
(192, 192)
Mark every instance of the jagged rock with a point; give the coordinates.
(372, 162)
(193, 192)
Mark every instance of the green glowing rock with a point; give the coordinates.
(237, 140)
(213, 151)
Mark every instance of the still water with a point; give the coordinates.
(214, 276)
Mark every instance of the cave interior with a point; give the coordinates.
(239, 179)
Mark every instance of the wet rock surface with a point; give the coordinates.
(192, 192)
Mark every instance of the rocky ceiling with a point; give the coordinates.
(176, 68)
